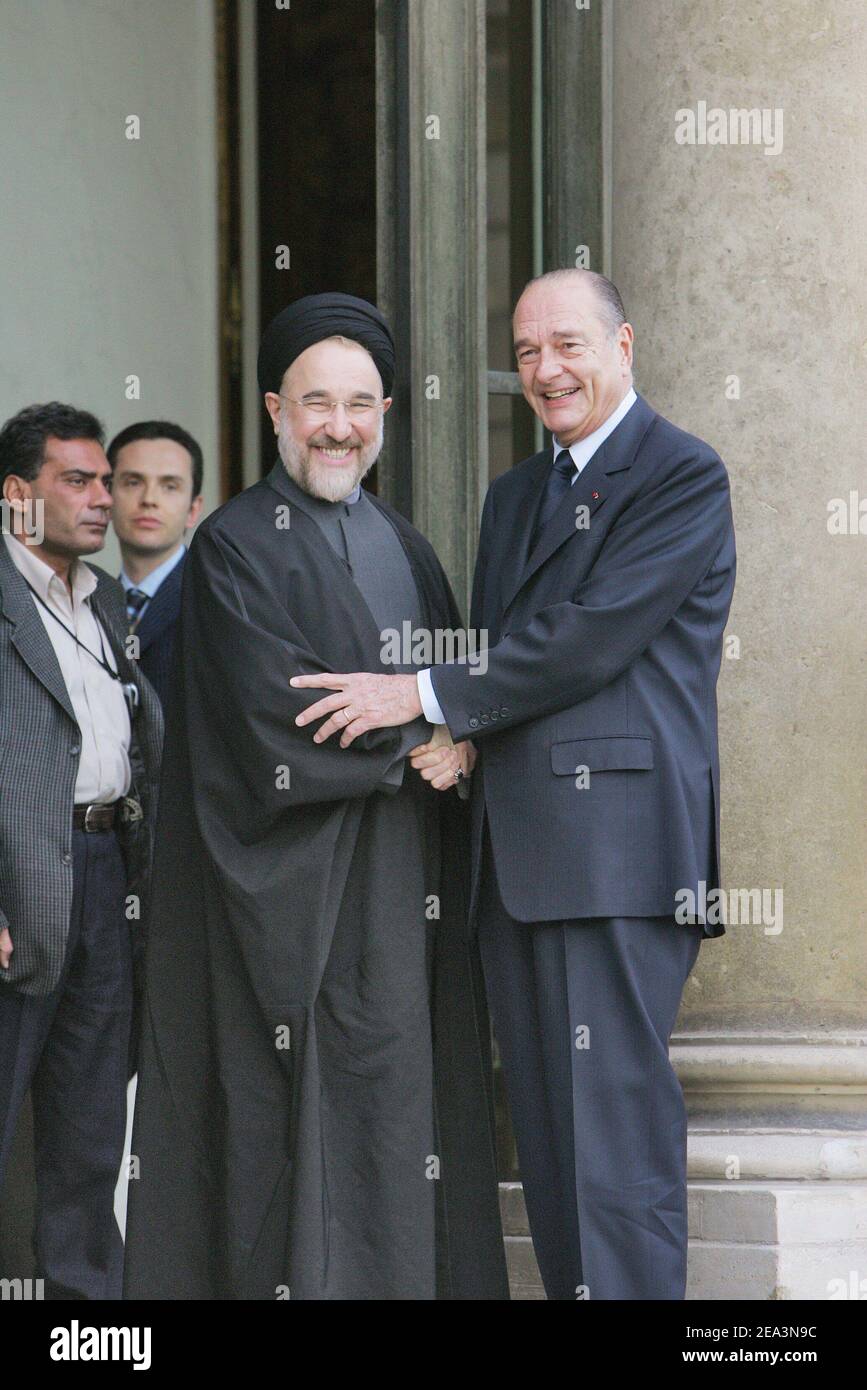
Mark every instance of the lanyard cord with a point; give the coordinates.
(100, 660)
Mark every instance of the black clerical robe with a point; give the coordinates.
(314, 1114)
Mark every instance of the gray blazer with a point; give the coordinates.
(39, 743)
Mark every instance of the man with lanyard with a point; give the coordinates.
(81, 734)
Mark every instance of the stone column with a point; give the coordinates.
(431, 268)
(743, 270)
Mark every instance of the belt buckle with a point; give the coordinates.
(92, 807)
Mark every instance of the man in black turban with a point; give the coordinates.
(317, 317)
(314, 1109)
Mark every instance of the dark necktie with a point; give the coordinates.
(557, 485)
(135, 602)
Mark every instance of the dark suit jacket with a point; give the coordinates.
(156, 631)
(39, 748)
(605, 651)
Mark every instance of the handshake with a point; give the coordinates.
(439, 760)
(366, 701)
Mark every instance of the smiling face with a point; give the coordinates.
(574, 370)
(73, 486)
(153, 497)
(329, 451)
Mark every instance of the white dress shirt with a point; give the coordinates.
(582, 452)
(97, 700)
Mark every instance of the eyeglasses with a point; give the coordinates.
(357, 409)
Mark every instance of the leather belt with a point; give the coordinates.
(96, 816)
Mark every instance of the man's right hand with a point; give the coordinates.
(5, 948)
(438, 759)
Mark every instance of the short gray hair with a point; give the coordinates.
(611, 308)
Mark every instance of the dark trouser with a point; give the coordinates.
(70, 1049)
(583, 1011)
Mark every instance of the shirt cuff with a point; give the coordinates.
(429, 703)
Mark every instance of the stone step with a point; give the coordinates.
(525, 1281)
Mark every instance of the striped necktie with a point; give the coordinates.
(135, 602)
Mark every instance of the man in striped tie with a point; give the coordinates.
(157, 472)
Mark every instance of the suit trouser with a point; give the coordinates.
(583, 1011)
(70, 1049)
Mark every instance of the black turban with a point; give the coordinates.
(318, 316)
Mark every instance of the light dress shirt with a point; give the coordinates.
(97, 700)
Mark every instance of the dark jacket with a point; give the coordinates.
(156, 631)
(605, 651)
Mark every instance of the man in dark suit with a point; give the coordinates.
(604, 577)
(81, 731)
(157, 497)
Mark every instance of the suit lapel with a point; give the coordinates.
(29, 637)
(163, 608)
(517, 525)
(587, 493)
(576, 509)
(108, 605)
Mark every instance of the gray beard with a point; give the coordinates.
(328, 483)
